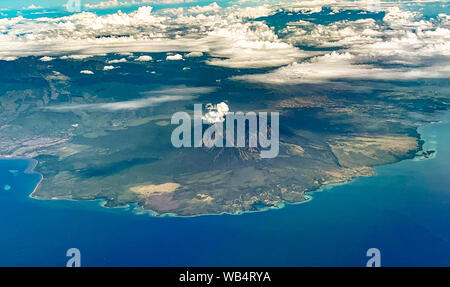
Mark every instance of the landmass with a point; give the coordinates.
(126, 156)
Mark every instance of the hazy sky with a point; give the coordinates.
(25, 4)
(19, 4)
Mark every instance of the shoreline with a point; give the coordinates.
(30, 170)
(137, 210)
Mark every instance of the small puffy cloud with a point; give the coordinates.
(86, 72)
(33, 7)
(175, 57)
(8, 58)
(193, 54)
(46, 59)
(108, 68)
(144, 58)
(116, 61)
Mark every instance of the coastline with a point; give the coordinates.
(30, 169)
(141, 211)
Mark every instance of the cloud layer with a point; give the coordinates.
(407, 45)
(225, 34)
(403, 47)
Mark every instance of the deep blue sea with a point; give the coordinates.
(404, 211)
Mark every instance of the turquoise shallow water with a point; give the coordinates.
(404, 211)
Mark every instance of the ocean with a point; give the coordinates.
(404, 211)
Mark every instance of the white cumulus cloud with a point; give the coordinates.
(116, 61)
(193, 54)
(46, 59)
(175, 57)
(144, 58)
